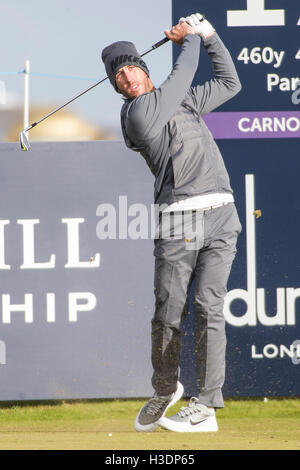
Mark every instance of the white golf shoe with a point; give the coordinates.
(192, 418)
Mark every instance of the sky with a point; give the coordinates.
(66, 37)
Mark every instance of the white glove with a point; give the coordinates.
(201, 26)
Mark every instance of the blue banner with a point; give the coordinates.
(258, 135)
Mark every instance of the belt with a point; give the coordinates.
(192, 211)
(210, 208)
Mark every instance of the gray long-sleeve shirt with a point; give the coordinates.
(166, 126)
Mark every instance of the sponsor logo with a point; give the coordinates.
(194, 421)
(76, 301)
(255, 125)
(254, 297)
(273, 351)
(125, 59)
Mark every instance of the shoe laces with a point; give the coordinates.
(156, 403)
(193, 407)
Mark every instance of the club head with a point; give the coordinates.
(24, 143)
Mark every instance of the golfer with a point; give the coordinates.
(165, 125)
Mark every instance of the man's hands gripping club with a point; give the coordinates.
(193, 24)
(178, 32)
(200, 25)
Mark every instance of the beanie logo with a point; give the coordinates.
(121, 59)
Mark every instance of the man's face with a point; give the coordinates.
(133, 81)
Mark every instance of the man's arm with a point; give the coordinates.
(145, 116)
(225, 83)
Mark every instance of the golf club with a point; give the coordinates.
(24, 142)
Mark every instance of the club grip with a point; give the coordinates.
(160, 43)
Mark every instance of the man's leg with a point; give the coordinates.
(210, 287)
(174, 265)
(221, 228)
(172, 281)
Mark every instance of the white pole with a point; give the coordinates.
(26, 94)
(250, 231)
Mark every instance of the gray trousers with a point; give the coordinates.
(203, 253)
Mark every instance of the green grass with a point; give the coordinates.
(108, 425)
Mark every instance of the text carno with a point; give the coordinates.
(269, 124)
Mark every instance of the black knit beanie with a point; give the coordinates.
(119, 54)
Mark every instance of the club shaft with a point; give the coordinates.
(152, 48)
(156, 45)
(66, 104)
